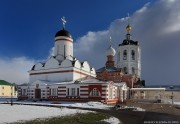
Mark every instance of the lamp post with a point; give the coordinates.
(172, 87)
(11, 94)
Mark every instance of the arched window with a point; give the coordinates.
(95, 92)
(125, 70)
(133, 70)
(125, 55)
(133, 55)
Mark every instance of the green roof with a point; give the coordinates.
(3, 82)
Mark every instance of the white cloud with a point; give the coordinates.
(15, 70)
(156, 26)
(51, 52)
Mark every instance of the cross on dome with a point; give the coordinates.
(63, 19)
(110, 41)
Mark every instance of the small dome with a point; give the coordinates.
(63, 32)
(128, 28)
(111, 51)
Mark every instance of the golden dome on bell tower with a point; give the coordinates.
(128, 28)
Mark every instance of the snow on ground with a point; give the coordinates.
(139, 109)
(9, 114)
(98, 105)
(177, 103)
(112, 120)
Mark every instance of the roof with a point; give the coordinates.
(128, 42)
(109, 69)
(3, 82)
(120, 84)
(89, 81)
(63, 32)
(149, 89)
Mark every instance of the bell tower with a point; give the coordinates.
(129, 55)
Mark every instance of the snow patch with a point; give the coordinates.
(16, 113)
(139, 109)
(112, 120)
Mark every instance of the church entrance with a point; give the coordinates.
(38, 93)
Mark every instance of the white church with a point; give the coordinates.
(65, 78)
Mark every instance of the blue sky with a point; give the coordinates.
(27, 29)
(28, 26)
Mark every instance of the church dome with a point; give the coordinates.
(110, 51)
(128, 28)
(63, 32)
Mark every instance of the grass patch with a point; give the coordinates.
(79, 118)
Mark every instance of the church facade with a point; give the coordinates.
(64, 78)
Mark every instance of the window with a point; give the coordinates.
(95, 92)
(125, 70)
(68, 91)
(37, 86)
(73, 92)
(24, 92)
(77, 91)
(133, 55)
(53, 92)
(133, 70)
(125, 55)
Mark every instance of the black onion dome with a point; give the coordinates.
(63, 32)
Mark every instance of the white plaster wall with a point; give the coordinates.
(93, 72)
(51, 63)
(66, 63)
(77, 64)
(38, 66)
(86, 66)
(60, 57)
(129, 63)
(59, 46)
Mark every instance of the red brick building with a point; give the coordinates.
(112, 73)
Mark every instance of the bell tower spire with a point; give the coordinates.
(128, 29)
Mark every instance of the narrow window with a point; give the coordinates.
(77, 91)
(133, 55)
(24, 91)
(95, 92)
(133, 70)
(125, 55)
(53, 92)
(125, 70)
(68, 92)
(72, 91)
